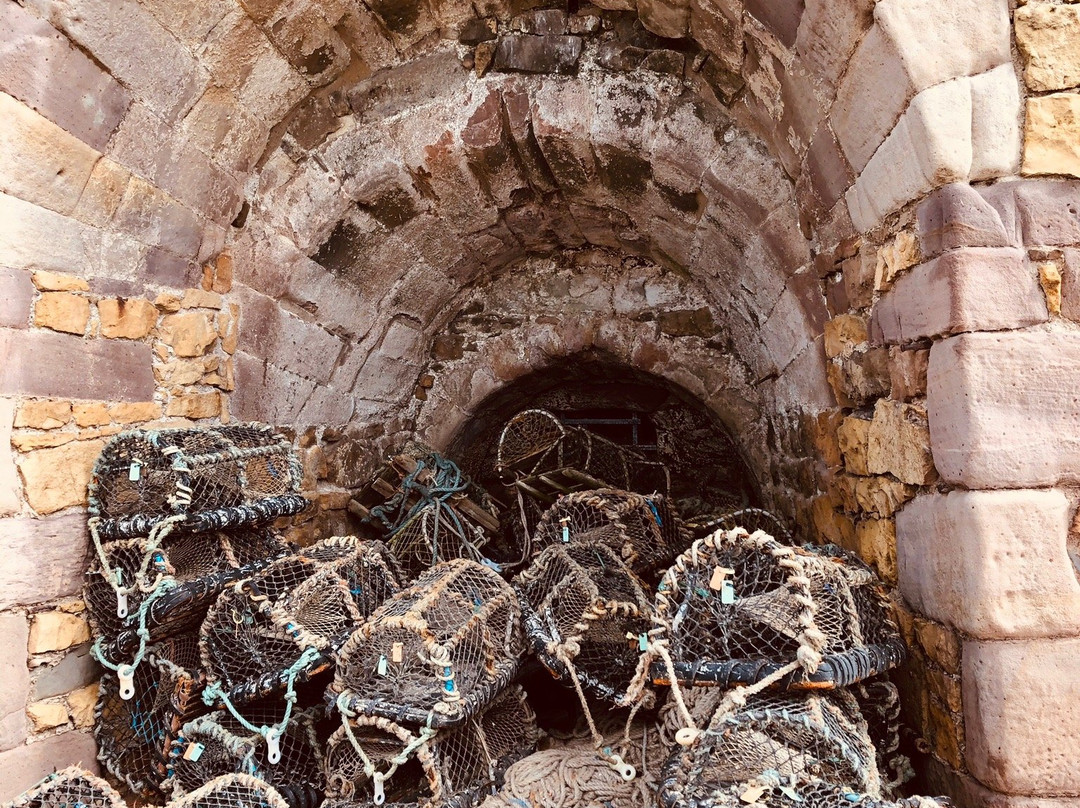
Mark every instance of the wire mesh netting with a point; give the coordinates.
(749, 519)
(184, 576)
(233, 791)
(278, 623)
(218, 744)
(642, 530)
(144, 476)
(433, 534)
(371, 759)
(536, 442)
(134, 735)
(72, 787)
(587, 615)
(436, 652)
(736, 608)
(879, 701)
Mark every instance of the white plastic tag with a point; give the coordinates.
(379, 796)
(381, 667)
(727, 593)
(126, 675)
(121, 605)
(273, 746)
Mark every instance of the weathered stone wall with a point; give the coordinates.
(792, 210)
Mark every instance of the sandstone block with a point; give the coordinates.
(62, 311)
(16, 678)
(10, 501)
(782, 18)
(56, 365)
(195, 405)
(92, 413)
(135, 412)
(200, 299)
(16, 296)
(1046, 35)
(23, 766)
(1050, 281)
(957, 216)
(881, 496)
(1070, 284)
(43, 414)
(907, 373)
(189, 333)
(45, 715)
(666, 18)
(974, 289)
(898, 443)
(45, 560)
(101, 196)
(1005, 686)
(876, 539)
(854, 437)
(893, 257)
(28, 442)
(59, 282)
(859, 377)
(126, 318)
(993, 564)
(538, 54)
(75, 670)
(1052, 135)
(266, 393)
(85, 100)
(287, 341)
(57, 478)
(843, 333)
(39, 161)
(1045, 211)
(81, 703)
(1002, 411)
(940, 643)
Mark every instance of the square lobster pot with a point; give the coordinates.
(435, 653)
(281, 624)
(643, 530)
(208, 478)
(218, 744)
(67, 788)
(586, 615)
(189, 569)
(535, 444)
(749, 519)
(134, 735)
(737, 608)
(233, 791)
(454, 767)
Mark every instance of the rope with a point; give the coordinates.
(126, 672)
(272, 733)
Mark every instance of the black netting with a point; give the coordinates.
(585, 607)
(437, 651)
(233, 791)
(134, 735)
(69, 788)
(749, 519)
(432, 534)
(641, 529)
(192, 569)
(449, 768)
(736, 608)
(259, 629)
(218, 744)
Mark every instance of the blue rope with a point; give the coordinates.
(448, 480)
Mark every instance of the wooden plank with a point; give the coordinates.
(381, 486)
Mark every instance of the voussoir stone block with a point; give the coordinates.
(1006, 685)
(957, 216)
(975, 289)
(1003, 410)
(993, 564)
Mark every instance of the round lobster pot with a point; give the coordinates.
(433, 534)
(145, 476)
(642, 530)
(435, 653)
(302, 605)
(536, 442)
(69, 787)
(192, 570)
(218, 744)
(233, 791)
(749, 519)
(134, 735)
(449, 768)
(736, 608)
(586, 614)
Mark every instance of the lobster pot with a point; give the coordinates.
(879, 702)
(70, 788)
(433, 534)
(134, 735)
(192, 568)
(218, 744)
(749, 519)
(247, 648)
(642, 530)
(145, 476)
(453, 768)
(535, 443)
(736, 608)
(586, 615)
(233, 791)
(435, 653)
(681, 790)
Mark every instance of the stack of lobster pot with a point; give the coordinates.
(176, 516)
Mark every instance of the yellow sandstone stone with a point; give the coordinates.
(1052, 135)
(43, 414)
(135, 412)
(127, 318)
(195, 405)
(1050, 280)
(55, 631)
(57, 478)
(91, 413)
(62, 311)
(81, 703)
(59, 282)
(45, 715)
(189, 333)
